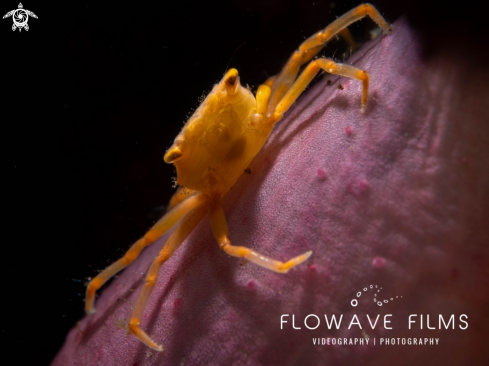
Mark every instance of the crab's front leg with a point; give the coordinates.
(179, 196)
(182, 230)
(220, 230)
(158, 229)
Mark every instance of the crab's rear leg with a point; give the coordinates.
(346, 35)
(311, 46)
(159, 229)
(182, 230)
(220, 230)
(308, 74)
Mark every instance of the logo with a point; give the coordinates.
(20, 17)
(367, 325)
(354, 302)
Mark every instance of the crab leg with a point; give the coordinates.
(308, 74)
(220, 230)
(345, 33)
(311, 46)
(180, 195)
(186, 225)
(159, 229)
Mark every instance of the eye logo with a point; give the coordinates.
(20, 17)
(376, 299)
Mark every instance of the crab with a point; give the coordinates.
(216, 146)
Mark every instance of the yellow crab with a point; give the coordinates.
(216, 146)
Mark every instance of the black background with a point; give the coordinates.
(93, 95)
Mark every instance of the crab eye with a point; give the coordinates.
(172, 155)
(176, 151)
(231, 81)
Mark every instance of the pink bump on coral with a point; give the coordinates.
(378, 262)
(321, 174)
(362, 185)
(177, 304)
(349, 131)
(424, 115)
(359, 188)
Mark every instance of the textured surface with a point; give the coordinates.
(397, 197)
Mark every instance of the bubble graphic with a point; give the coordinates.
(376, 299)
